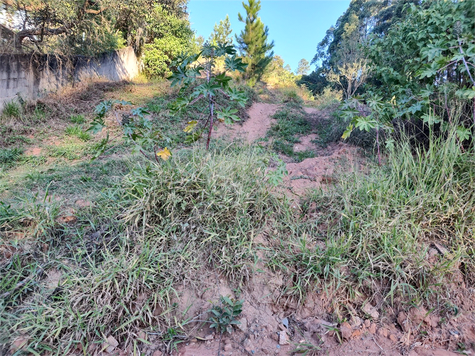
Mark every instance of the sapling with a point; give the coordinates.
(188, 71)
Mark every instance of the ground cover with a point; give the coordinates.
(121, 256)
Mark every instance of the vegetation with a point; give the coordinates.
(253, 42)
(141, 236)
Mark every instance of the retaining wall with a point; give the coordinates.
(33, 76)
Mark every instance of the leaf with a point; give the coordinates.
(463, 133)
(164, 154)
(191, 125)
(347, 132)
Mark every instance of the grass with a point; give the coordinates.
(199, 210)
(153, 229)
(77, 131)
(77, 119)
(11, 109)
(291, 123)
(381, 227)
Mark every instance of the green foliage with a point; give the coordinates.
(77, 119)
(186, 73)
(88, 28)
(276, 75)
(222, 33)
(224, 316)
(171, 36)
(252, 42)
(10, 156)
(78, 132)
(11, 109)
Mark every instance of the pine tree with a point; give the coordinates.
(222, 33)
(252, 42)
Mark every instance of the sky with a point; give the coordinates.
(295, 26)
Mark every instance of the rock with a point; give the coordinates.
(228, 347)
(20, 342)
(372, 328)
(356, 333)
(383, 332)
(371, 311)
(346, 331)
(403, 322)
(83, 203)
(110, 344)
(356, 322)
(393, 338)
(242, 325)
(285, 322)
(209, 337)
(157, 353)
(70, 219)
(283, 338)
(274, 336)
(367, 323)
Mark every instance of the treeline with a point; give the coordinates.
(406, 59)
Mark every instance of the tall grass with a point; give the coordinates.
(166, 225)
(215, 202)
(383, 225)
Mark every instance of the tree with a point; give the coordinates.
(222, 33)
(171, 36)
(278, 75)
(81, 26)
(303, 67)
(252, 42)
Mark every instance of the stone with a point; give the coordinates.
(228, 347)
(371, 311)
(403, 322)
(283, 338)
(372, 328)
(367, 323)
(393, 338)
(346, 331)
(383, 332)
(157, 353)
(242, 325)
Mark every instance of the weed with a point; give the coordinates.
(12, 109)
(10, 156)
(224, 316)
(77, 119)
(382, 224)
(78, 132)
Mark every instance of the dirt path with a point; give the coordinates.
(254, 128)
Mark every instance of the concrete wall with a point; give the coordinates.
(33, 76)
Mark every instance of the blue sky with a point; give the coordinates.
(295, 26)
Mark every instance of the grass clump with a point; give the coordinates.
(77, 131)
(213, 201)
(381, 226)
(117, 276)
(9, 156)
(77, 119)
(11, 109)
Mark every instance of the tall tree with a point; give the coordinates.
(253, 42)
(303, 67)
(222, 33)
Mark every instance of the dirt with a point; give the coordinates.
(254, 128)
